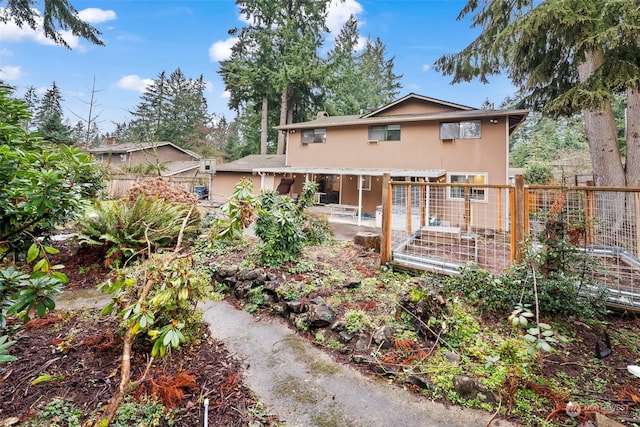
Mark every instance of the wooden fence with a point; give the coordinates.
(443, 227)
(118, 185)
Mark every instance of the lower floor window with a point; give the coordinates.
(457, 193)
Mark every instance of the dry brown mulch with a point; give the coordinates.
(79, 354)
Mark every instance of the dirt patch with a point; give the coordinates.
(76, 357)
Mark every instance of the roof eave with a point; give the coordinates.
(432, 117)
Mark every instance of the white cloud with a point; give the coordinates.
(94, 15)
(426, 67)
(6, 52)
(339, 13)
(221, 50)
(133, 82)
(13, 33)
(225, 94)
(10, 72)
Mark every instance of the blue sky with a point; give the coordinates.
(145, 37)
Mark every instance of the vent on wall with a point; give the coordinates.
(373, 141)
(448, 141)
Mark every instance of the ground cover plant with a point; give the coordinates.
(525, 345)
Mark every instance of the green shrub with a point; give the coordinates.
(280, 225)
(42, 185)
(538, 173)
(129, 230)
(239, 212)
(317, 230)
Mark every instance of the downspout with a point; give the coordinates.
(359, 200)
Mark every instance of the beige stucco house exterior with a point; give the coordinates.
(413, 138)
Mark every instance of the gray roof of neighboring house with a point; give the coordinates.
(179, 166)
(130, 147)
(253, 161)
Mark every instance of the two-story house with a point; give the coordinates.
(414, 138)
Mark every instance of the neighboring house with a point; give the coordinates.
(173, 160)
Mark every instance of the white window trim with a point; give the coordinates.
(485, 199)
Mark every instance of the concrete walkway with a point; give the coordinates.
(305, 387)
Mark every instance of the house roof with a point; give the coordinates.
(253, 161)
(415, 96)
(461, 112)
(179, 166)
(130, 147)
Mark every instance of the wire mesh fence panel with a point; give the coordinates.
(601, 223)
(443, 227)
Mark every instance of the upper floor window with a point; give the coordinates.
(314, 136)
(478, 194)
(461, 130)
(384, 133)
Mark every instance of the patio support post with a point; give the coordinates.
(359, 200)
(409, 207)
(385, 243)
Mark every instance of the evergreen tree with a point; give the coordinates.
(32, 101)
(275, 61)
(567, 56)
(50, 120)
(58, 15)
(171, 109)
(382, 84)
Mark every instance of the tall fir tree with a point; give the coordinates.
(566, 56)
(50, 119)
(171, 109)
(275, 61)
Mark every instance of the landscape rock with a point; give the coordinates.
(382, 336)
(227, 271)
(420, 382)
(362, 343)
(345, 336)
(470, 388)
(257, 275)
(294, 306)
(280, 308)
(320, 315)
(452, 357)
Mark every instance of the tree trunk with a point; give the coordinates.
(283, 118)
(601, 132)
(632, 165)
(263, 125)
